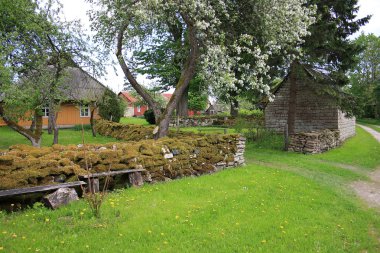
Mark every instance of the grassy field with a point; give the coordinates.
(134, 120)
(8, 137)
(372, 123)
(279, 202)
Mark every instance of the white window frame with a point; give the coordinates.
(45, 112)
(138, 108)
(84, 108)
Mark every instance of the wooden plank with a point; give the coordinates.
(111, 173)
(35, 189)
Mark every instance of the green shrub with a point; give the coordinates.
(254, 113)
(111, 106)
(149, 116)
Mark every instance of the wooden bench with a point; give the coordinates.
(36, 189)
(134, 176)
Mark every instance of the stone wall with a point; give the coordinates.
(314, 142)
(346, 126)
(313, 111)
(201, 121)
(164, 159)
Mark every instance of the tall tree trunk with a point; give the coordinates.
(234, 110)
(163, 119)
(92, 121)
(50, 122)
(33, 136)
(55, 128)
(33, 125)
(183, 104)
(292, 105)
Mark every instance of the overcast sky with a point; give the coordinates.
(76, 9)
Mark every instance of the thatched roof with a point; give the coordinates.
(78, 85)
(318, 75)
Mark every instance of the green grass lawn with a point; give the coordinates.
(134, 120)
(8, 137)
(279, 202)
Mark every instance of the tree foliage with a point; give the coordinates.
(111, 107)
(365, 77)
(214, 40)
(328, 44)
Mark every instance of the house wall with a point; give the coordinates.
(68, 115)
(140, 112)
(132, 110)
(313, 111)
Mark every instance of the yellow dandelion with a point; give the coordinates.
(162, 234)
(4, 232)
(149, 231)
(264, 241)
(1, 248)
(176, 217)
(81, 213)
(165, 242)
(23, 237)
(120, 234)
(47, 220)
(281, 227)
(87, 246)
(237, 224)
(62, 242)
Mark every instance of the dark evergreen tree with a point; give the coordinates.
(328, 45)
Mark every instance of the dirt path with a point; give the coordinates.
(369, 191)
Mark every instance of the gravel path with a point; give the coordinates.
(369, 191)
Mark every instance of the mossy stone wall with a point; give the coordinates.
(23, 165)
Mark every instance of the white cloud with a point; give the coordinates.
(370, 7)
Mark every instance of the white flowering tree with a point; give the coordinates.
(232, 55)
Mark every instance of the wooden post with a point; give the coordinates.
(93, 184)
(286, 136)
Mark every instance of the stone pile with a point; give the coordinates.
(163, 159)
(314, 142)
(196, 121)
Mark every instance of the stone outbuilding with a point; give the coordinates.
(315, 109)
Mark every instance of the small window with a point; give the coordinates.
(84, 111)
(138, 108)
(45, 111)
